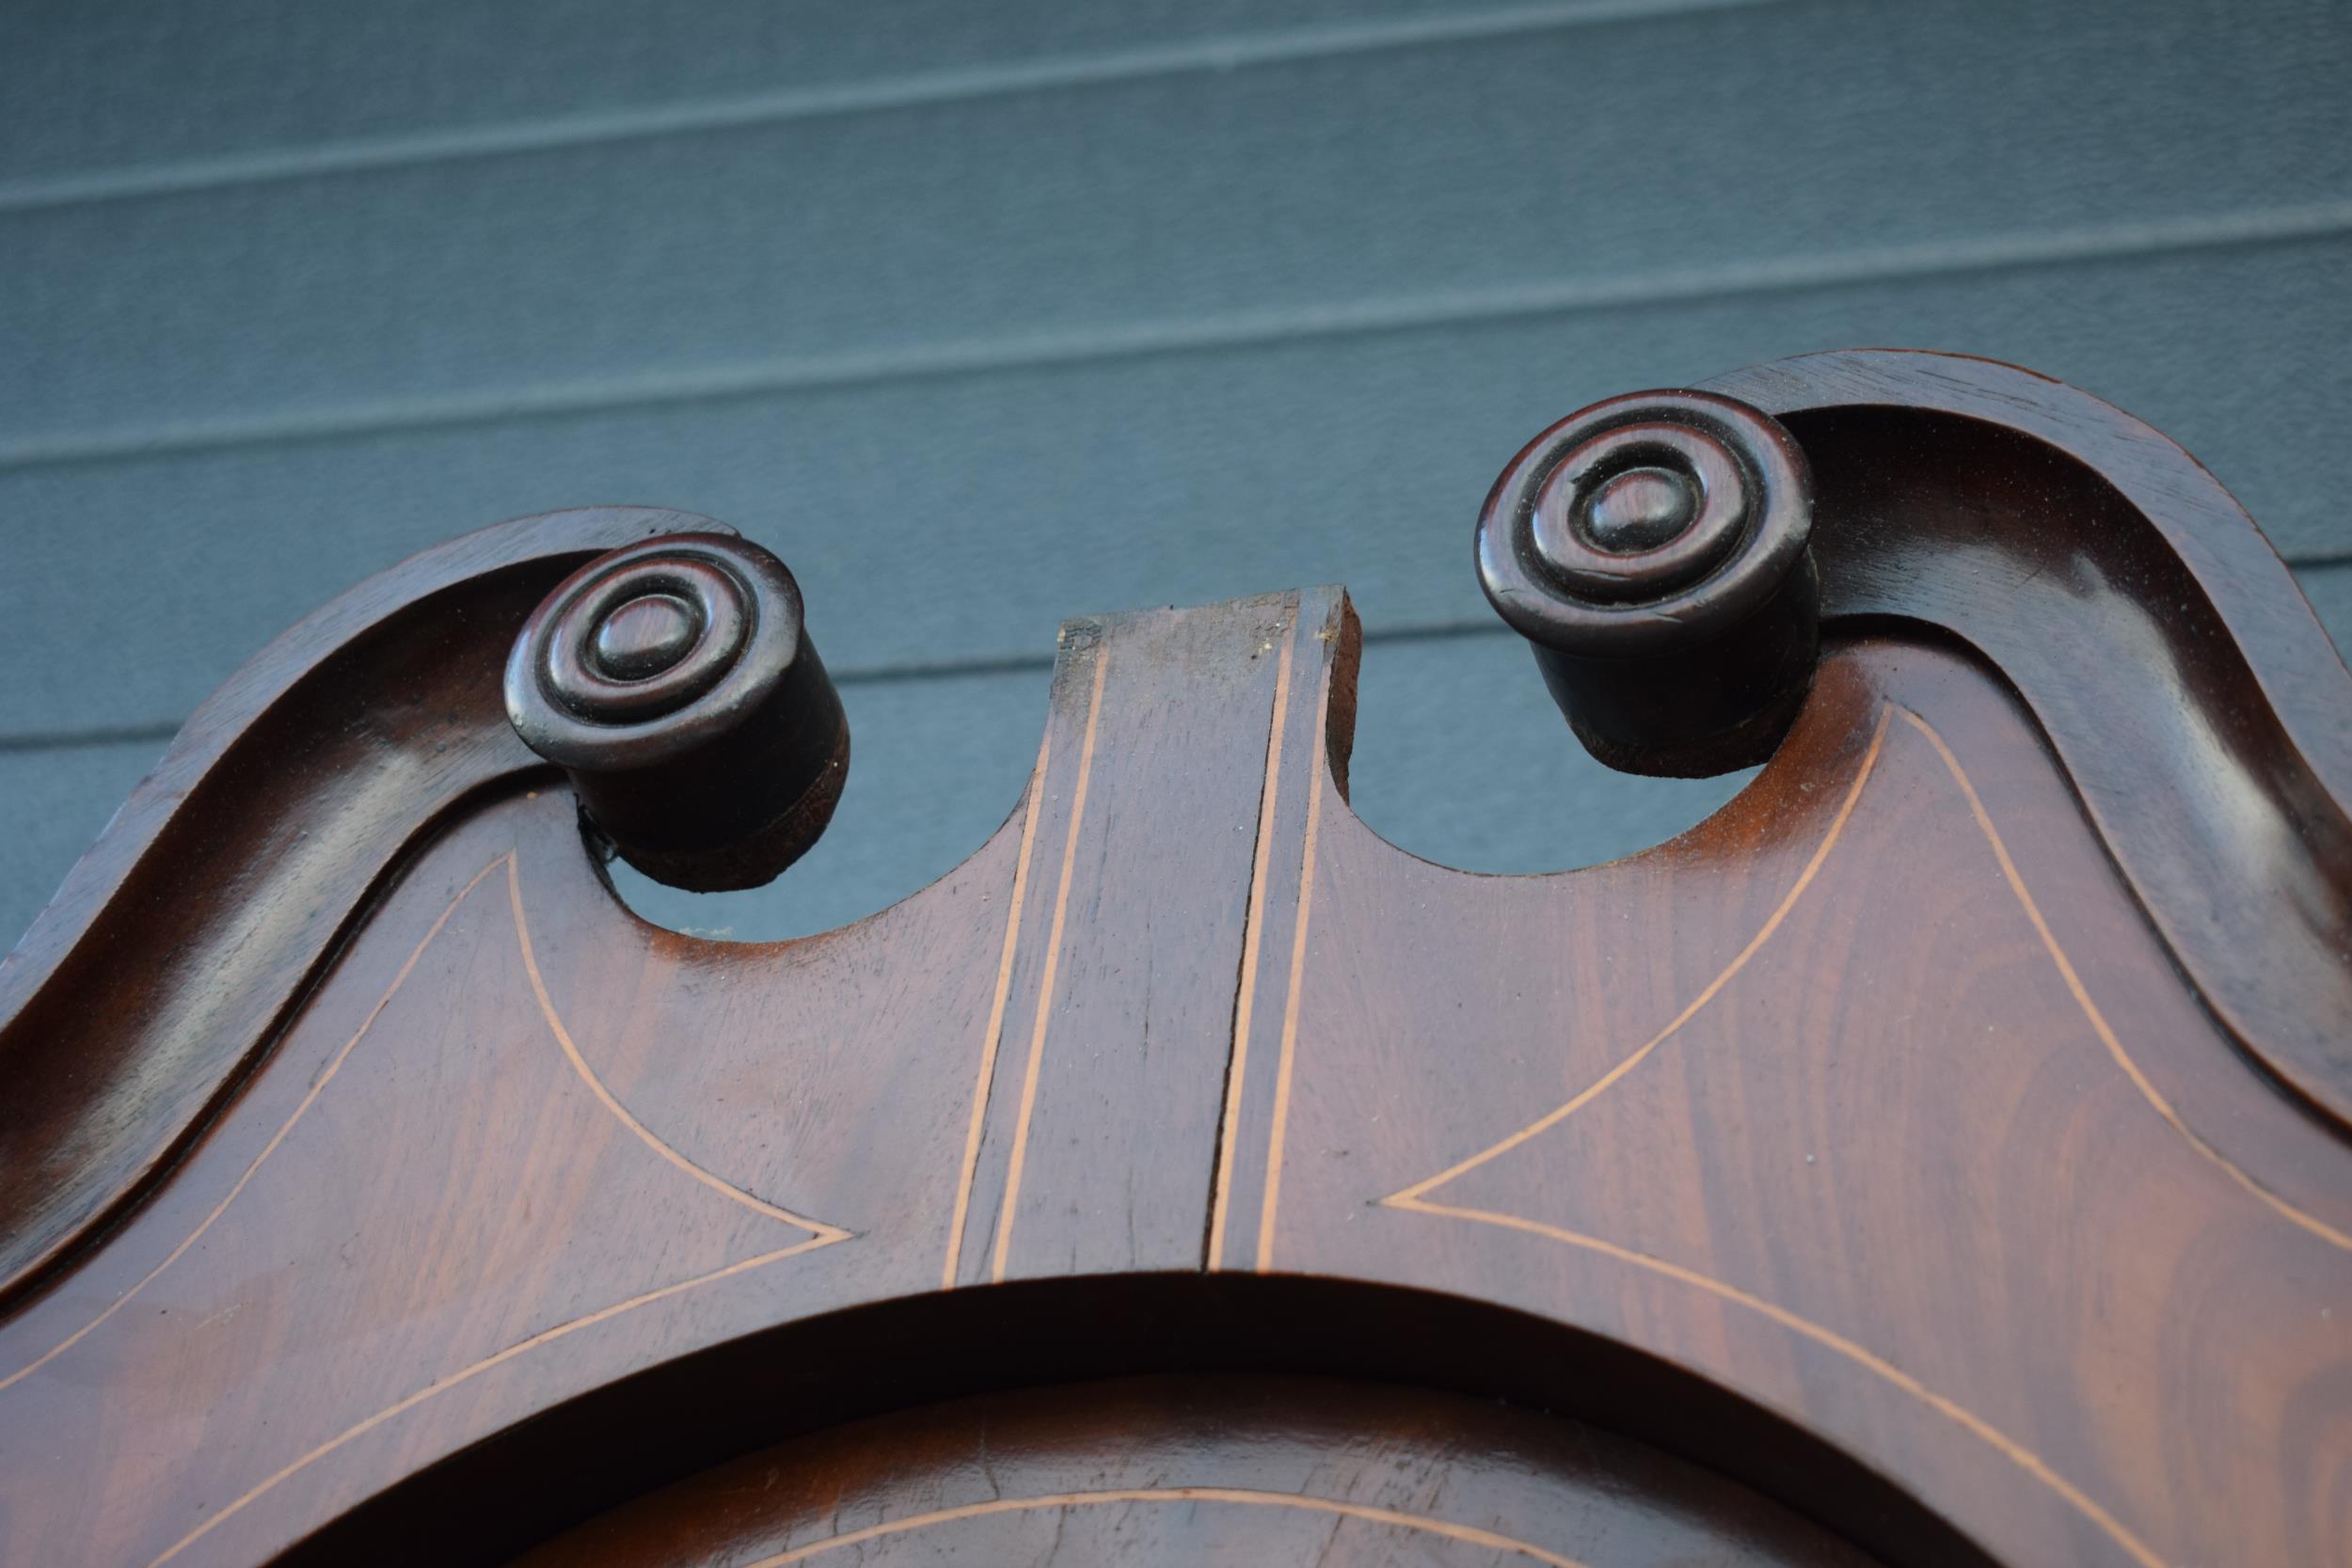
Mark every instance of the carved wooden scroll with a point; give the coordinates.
(1938, 1156)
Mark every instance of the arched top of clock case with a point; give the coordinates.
(2193, 700)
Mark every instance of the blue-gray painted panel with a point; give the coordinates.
(1252, 200)
(964, 517)
(57, 801)
(89, 88)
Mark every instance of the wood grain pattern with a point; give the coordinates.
(135, 1005)
(2147, 624)
(1930, 1158)
(1746, 1149)
(1207, 1470)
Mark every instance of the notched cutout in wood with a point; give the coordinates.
(1917, 1147)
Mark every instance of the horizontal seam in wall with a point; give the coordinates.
(73, 740)
(896, 675)
(1048, 350)
(592, 128)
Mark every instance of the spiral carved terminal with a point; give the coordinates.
(1653, 549)
(675, 681)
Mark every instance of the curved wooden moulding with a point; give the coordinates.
(154, 979)
(2199, 708)
(1901, 1162)
(1276, 1470)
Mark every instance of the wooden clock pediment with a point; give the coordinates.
(1937, 1156)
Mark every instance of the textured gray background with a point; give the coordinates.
(985, 312)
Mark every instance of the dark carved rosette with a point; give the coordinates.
(675, 681)
(1652, 547)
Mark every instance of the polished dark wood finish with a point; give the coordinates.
(1206, 1470)
(1933, 1158)
(675, 684)
(163, 971)
(1652, 549)
(2191, 695)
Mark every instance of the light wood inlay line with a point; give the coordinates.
(318, 1087)
(443, 1385)
(1052, 959)
(1316, 783)
(2109, 1039)
(2016, 1452)
(1253, 925)
(986, 1082)
(2107, 1036)
(823, 1233)
(1468, 1534)
(1413, 1199)
(1764, 934)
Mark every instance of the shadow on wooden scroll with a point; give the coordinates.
(1943, 1155)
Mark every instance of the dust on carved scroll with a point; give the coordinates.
(448, 1190)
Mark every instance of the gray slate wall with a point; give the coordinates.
(985, 312)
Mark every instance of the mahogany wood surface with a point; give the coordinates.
(1938, 1156)
(1205, 1470)
(2196, 703)
(239, 862)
